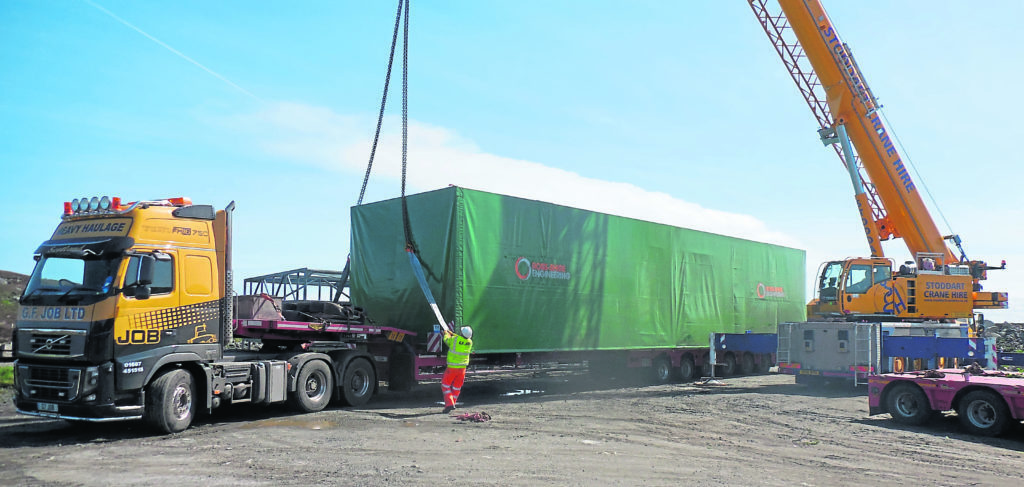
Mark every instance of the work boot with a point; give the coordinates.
(447, 409)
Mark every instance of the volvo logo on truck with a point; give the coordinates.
(540, 270)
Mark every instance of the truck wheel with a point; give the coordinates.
(907, 404)
(686, 367)
(170, 401)
(766, 363)
(729, 365)
(313, 388)
(747, 363)
(983, 413)
(358, 383)
(661, 370)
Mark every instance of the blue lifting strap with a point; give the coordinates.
(417, 269)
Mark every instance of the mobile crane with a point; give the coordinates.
(939, 284)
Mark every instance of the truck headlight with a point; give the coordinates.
(91, 380)
(21, 380)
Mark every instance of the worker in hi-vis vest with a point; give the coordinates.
(459, 348)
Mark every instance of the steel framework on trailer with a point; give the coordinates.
(299, 284)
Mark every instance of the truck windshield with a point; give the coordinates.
(63, 279)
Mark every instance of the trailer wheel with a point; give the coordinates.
(661, 371)
(747, 366)
(729, 365)
(907, 404)
(313, 388)
(686, 367)
(983, 413)
(358, 382)
(170, 401)
(766, 363)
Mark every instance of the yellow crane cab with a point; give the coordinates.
(927, 288)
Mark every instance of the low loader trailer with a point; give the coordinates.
(129, 312)
(987, 402)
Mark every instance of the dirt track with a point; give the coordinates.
(756, 430)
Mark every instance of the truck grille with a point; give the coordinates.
(50, 383)
(50, 344)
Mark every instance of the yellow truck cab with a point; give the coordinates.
(119, 292)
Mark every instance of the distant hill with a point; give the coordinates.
(11, 286)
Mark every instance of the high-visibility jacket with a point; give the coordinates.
(458, 351)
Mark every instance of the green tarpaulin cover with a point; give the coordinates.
(530, 276)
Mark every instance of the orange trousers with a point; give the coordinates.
(451, 385)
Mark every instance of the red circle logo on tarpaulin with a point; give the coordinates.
(524, 275)
(764, 292)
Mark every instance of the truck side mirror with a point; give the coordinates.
(146, 270)
(142, 292)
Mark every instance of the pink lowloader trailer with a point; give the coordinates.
(987, 402)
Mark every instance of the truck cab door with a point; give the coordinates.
(145, 320)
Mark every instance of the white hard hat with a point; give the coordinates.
(467, 332)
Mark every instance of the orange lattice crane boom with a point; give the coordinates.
(852, 104)
(939, 284)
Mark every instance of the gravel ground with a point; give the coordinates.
(762, 430)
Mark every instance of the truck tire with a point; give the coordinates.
(313, 388)
(661, 370)
(170, 402)
(729, 365)
(983, 413)
(686, 368)
(908, 404)
(358, 382)
(335, 312)
(747, 366)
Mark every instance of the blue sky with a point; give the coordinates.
(678, 112)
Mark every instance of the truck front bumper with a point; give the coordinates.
(69, 417)
(75, 393)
